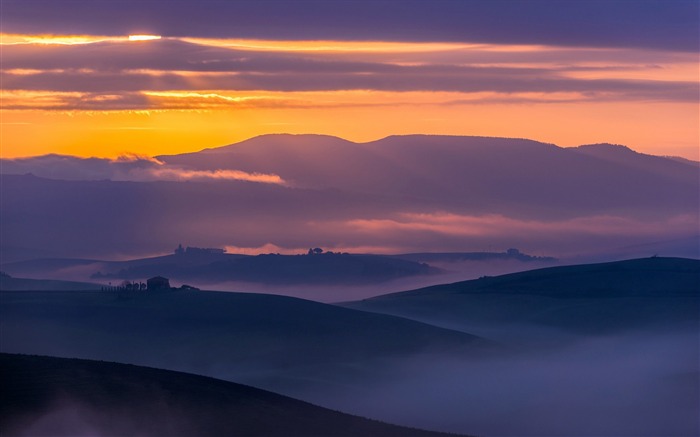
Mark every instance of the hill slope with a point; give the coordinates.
(269, 341)
(59, 396)
(592, 298)
(8, 283)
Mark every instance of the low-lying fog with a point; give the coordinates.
(451, 272)
(638, 384)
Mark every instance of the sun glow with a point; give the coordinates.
(66, 40)
(100, 95)
(143, 37)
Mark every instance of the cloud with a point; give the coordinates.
(131, 167)
(177, 174)
(177, 74)
(566, 237)
(467, 225)
(580, 23)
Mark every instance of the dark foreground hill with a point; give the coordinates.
(592, 298)
(71, 397)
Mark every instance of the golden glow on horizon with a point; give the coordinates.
(110, 122)
(16, 39)
(332, 46)
(205, 95)
(82, 133)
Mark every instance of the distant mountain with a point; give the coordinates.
(624, 156)
(59, 396)
(414, 193)
(326, 268)
(592, 298)
(684, 161)
(274, 342)
(488, 174)
(510, 254)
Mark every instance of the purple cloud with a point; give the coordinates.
(581, 23)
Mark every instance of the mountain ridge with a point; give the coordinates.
(403, 193)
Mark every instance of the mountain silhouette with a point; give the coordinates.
(411, 193)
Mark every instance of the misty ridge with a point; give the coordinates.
(318, 274)
(401, 194)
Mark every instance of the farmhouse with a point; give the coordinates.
(158, 283)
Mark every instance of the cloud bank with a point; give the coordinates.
(125, 168)
(177, 73)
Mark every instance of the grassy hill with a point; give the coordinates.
(592, 298)
(59, 396)
(266, 340)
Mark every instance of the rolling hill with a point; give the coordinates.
(590, 298)
(72, 397)
(274, 342)
(205, 266)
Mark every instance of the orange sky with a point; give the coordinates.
(107, 96)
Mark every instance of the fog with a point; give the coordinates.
(607, 350)
(634, 384)
(66, 417)
(329, 293)
(637, 384)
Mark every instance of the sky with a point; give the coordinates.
(217, 72)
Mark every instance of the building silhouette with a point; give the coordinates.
(158, 283)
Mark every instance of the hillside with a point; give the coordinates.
(70, 397)
(9, 283)
(269, 341)
(591, 298)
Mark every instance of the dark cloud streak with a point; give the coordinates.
(123, 70)
(463, 79)
(618, 23)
